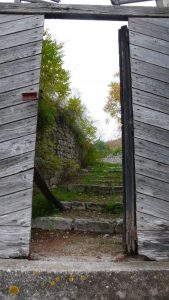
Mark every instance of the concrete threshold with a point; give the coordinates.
(70, 280)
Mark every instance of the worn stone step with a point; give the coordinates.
(92, 206)
(79, 224)
(96, 189)
(64, 279)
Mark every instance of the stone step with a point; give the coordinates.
(96, 189)
(92, 206)
(64, 279)
(106, 226)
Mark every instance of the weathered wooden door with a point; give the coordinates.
(20, 58)
(149, 65)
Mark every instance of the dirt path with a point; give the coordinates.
(80, 246)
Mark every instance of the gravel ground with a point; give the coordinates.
(113, 159)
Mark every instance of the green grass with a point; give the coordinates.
(102, 171)
(64, 195)
(41, 207)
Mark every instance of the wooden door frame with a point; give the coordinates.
(129, 193)
(107, 13)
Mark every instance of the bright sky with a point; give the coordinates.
(91, 56)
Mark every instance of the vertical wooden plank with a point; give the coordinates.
(149, 45)
(19, 74)
(129, 236)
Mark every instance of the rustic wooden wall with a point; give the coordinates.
(20, 57)
(149, 52)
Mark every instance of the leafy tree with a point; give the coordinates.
(112, 106)
(56, 99)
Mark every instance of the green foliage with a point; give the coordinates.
(112, 106)
(70, 168)
(56, 102)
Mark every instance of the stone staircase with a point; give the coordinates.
(97, 206)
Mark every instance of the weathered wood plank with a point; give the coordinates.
(147, 42)
(16, 164)
(21, 25)
(152, 117)
(152, 151)
(21, 217)
(153, 206)
(148, 222)
(23, 65)
(20, 52)
(150, 70)
(152, 168)
(18, 129)
(15, 97)
(151, 133)
(15, 82)
(152, 187)
(150, 85)
(149, 29)
(15, 201)
(85, 12)
(14, 241)
(159, 22)
(150, 101)
(17, 146)
(8, 18)
(154, 244)
(18, 112)
(17, 182)
(21, 38)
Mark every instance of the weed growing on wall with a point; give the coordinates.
(56, 103)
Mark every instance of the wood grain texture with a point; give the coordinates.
(20, 46)
(18, 112)
(151, 116)
(15, 201)
(23, 65)
(152, 151)
(20, 52)
(85, 12)
(17, 182)
(151, 133)
(154, 244)
(148, 44)
(150, 85)
(15, 82)
(21, 217)
(152, 187)
(21, 38)
(149, 50)
(150, 70)
(21, 25)
(17, 146)
(149, 29)
(14, 241)
(148, 100)
(17, 129)
(153, 206)
(152, 168)
(15, 97)
(16, 164)
(146, 222)
(151, 56)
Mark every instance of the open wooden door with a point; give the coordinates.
(20, 59)
(148, 55)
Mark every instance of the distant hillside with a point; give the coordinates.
(114, 143)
